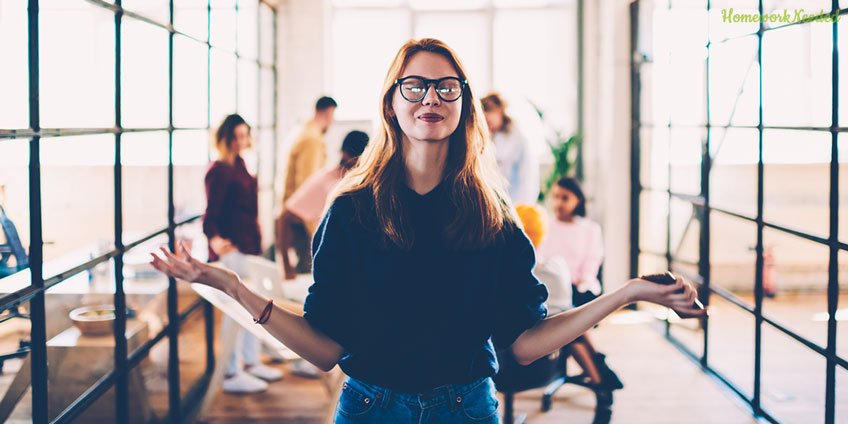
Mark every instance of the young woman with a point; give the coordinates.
(232, 227)
(420, 268)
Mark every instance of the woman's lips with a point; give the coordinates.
(431, 117)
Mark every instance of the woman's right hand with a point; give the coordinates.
(221, 246)
(679, 296)
(185, 267)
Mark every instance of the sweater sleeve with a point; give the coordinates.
(327, 307)
(217, 181)
(521, 297)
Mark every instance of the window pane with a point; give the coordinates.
(359, 72)
(842, 34)
(264, 144)
(365, 3)
(533, 59)
(80, 219)
(721, 10)
(734, 82)
(144, 157)
(732, 257)
(248, 91)
(685, 155)
(14, 109)
(447, 4)
(14, 196)
(687, 67)
(222, 85)
(144, 75)
(223, 27)
(731, 343)
(191, 159)
(797, 75)
(190, 83)
(653, 224)
(733, 176)
(77, 66)
(655, 157)
(795, 272)
(685, 232)
(466, 34)
(797, 180)
(156, 10)
(266, 98)
(190, 18)
(266, 34)
(248, 32)
(843, 190)
(793, 379)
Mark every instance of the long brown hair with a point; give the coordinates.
(474, 185)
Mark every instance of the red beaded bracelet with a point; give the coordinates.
(266, 313)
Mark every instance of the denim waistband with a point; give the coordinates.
(450, 392)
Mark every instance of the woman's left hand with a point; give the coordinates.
(679, 296)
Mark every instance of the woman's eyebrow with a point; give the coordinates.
(423, 77)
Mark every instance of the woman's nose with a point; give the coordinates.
(431, 98)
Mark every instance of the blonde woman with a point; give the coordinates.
(420, 270)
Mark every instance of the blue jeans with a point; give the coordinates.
(361, 402)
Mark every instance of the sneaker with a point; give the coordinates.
(265, 373)
(304, 369)
(609, 379)
(243, 383)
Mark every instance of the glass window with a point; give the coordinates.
(190, 17)
(14, 192)
(157, 10)
(266, 34)
(357, 87)
(796, 180)
(81, 219)
(685, 231)
(263, 143)
(77, 66)
(447, 4)
(248, 31)
(685, 148)
(734, 82)
(653, 224)
(533, 59)
(191, 159)
(797, 76)
(14, 109)
(786, 372)
(843, 192)
(223, 26)
(248, 91)
(144, 176)
(733, 176)
(144, 75)
(468, 35)
(222, 85)
(266, 97)
(721, 18)
(190, 83)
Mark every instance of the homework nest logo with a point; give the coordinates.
(786, 17)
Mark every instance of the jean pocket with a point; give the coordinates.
(481, 403)
(354, 404)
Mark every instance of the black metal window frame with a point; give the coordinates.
(180, 408)
(701, 204)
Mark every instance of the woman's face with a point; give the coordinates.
(494, 119)
(564, 202)
(431, 119)
(242, 134)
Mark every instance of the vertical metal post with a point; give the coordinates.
(578, 171)
(174, 412)
(706, 168)
(208, 309)
(38, 332)
(121, 363)
(758, 285)
(635, 132)
(833, 240)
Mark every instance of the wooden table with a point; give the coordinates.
(76, 362)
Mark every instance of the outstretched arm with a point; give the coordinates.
(289, 328)
(550, 334)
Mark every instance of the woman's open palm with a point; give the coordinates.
(185, 267)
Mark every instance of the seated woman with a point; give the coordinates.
(555, 273)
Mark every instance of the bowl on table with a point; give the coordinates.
(94, 320)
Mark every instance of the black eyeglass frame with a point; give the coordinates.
(435, 82)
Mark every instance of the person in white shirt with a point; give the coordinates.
(515, 158)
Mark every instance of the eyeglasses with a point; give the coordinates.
(414, 89)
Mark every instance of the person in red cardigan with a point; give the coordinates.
(231, 224)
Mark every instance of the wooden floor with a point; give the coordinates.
(661, 384)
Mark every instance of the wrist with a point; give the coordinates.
(627, 293)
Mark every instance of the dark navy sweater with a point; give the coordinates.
(413, 321)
